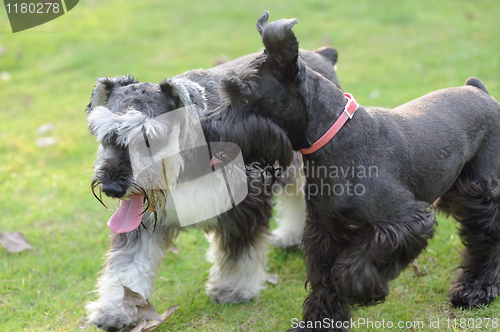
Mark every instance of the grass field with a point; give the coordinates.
(389, 52)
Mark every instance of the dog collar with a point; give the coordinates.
(350, 107)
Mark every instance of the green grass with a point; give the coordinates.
(390, 52)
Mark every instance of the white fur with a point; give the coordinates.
(239, 281)
(290, 216)
(134, 266)
(131, 123)
(98, 97)
(182, 93)
(102, 122)
(179, 85)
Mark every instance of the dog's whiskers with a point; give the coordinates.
(95, 183)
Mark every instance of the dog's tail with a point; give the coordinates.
(474, 81)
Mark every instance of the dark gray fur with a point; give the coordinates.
(236, 229)
(444, 145)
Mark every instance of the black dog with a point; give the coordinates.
(365, 225)
(121, 112)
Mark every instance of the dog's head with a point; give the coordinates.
(322, 60)
(268, 105)
(134, 122)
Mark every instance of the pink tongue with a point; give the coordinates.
(128, 215)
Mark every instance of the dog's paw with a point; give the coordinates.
(468, 296)
(286, 240)
(109, 319)
(231, 296)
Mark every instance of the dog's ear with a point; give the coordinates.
(183, 93)
(272, 144)
(327, 56)
(261, 141)
(282, 47)
(240, 88)
(103, 88)
(168, 88)
(328, 53)
(262, 22)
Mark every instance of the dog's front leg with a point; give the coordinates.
(322, 308)
(132, 261)
(380, 252)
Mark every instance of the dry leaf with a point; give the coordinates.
(152, 325)
(14, 242)
(146, 312)
(133, 298)
(272, 278)
(133, 301)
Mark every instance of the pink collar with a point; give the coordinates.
(350, 107)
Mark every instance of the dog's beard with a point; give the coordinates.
(130, 210)
(147, 192)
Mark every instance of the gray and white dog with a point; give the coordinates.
(442, 147)
(120, 110)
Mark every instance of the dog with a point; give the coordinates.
(437, 151)
(122, 111)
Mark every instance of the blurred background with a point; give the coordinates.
(390, 52)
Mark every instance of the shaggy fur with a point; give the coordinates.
(121, 111)
(442, 145)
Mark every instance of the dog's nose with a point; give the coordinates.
(113, 190)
